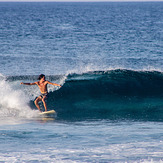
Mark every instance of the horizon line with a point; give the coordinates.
(81, 1)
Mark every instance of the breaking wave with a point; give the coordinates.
(114, 94)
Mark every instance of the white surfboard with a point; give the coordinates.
(48, 112)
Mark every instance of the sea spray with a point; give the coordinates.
(13, 102)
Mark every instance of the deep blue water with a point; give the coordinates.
(108, 59)
(57, 38)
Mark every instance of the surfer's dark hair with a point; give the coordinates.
(41, 76)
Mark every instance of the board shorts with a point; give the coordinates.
(44, 94)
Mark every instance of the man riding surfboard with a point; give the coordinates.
(42, 84)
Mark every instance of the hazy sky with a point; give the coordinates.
(76, 0)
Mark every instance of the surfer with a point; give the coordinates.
(42, 84)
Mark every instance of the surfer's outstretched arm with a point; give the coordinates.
(28, 83)
(54, 84)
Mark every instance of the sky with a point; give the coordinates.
(77, 0)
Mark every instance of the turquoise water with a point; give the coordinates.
(108, 59)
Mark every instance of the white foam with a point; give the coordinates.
(14, 102)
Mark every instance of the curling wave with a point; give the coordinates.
(116, 94)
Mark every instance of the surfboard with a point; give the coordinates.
(48, 112)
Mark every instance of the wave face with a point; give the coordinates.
(115, 95)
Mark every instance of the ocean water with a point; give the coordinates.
(107, 57)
